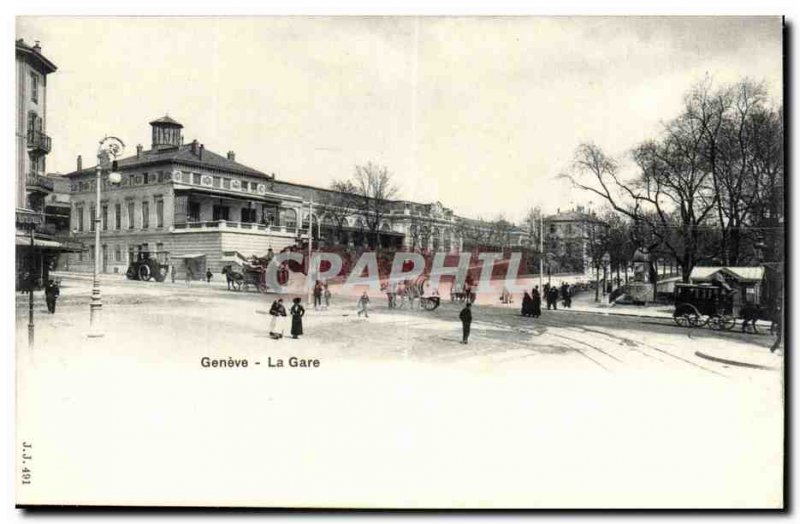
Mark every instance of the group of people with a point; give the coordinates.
(321, 292)
(553, 293)
(532, 302)
(398, 294)
(277, 314)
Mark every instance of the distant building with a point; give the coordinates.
(567, 237)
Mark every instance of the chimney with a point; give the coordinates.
(231, 156)
(194, 147)
(37, 47)
(80, 163)
(202, 147)
(139, 151)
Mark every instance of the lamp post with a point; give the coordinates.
(110, 148)
(310, 241)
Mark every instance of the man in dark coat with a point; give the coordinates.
(552, 297)
(466, 321)
(536, 303)
(297, 311)
(51, 292)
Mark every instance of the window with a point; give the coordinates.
(217, 182)
(79, 217)
(117, 216)
(552, 228)
(92, 217)
(80, 256)
(104, 217)
(117, 254)
(144, 178)
(220, 213)
(269, 215)
(145, 214)
(34, 88)
(159, 247)
(196, 178)
(248, 215)
(226, 183)
(193, 214)
(131, 215)
(159, 213)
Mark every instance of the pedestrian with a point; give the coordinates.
(276, 312)
(189, 275)
(172, 272)
(51, 292)
(363, 305)
(317, 295)
(466, 321)
(552, 295)
(527, 305)
(568, 296)
(536, 303)
(208, 276)
(297, 311)
(326, 293)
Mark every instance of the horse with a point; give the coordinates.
(751, 313)
(234, 278)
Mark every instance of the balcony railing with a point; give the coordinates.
(225, 224)
(35, 182)
(39, 141)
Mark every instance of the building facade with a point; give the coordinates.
(196, 205)
(568, 237)
(36, 247)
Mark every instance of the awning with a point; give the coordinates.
(181, 257)
(38, 242)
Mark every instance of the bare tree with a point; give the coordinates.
(339, 204)
(373, 189)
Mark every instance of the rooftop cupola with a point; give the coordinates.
(166, 133)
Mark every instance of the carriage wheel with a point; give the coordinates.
(727, 323)
(715, 323)
(696, 320)
(144, 272)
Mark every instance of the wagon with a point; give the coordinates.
(429, 303)
(242, 273)
(701, 305)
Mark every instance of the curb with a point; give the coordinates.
(733, 362)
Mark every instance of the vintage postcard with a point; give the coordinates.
(400, 262)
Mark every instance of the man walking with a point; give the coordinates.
(51, 292)
(466, 321)
(363, 305)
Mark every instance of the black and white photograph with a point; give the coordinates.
(400, 262)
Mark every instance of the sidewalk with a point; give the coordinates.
(748, 358)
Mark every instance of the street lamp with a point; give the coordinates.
(110, 148)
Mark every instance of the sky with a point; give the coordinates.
(479, 113)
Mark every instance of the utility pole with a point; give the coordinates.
(310, 240)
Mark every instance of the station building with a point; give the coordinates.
(197, 205)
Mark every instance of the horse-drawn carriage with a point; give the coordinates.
(242, 273)
(705, 304)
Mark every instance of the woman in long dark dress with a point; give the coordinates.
(527, 305)
(297, 311)
(536, 303)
